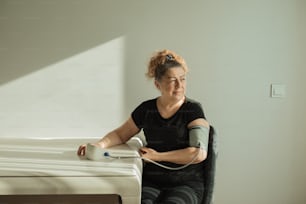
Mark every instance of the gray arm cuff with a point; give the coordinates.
(198, 137)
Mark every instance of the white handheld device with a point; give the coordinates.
(94, 153)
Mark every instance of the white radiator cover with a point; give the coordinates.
(52, 167)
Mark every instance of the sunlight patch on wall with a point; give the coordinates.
(78, 97)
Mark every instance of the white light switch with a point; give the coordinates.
(278, 90)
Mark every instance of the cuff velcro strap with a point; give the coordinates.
(198, 137)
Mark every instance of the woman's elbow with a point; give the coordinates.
(202, 155)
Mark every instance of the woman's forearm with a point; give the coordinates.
(182, 156)
(120, 135)
(111, 139)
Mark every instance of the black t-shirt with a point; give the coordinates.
(166, 135)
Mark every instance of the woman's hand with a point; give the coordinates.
(149, 153)
(82, 150)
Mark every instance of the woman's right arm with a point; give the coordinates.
(118, 136)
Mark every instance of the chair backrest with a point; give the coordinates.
(210, 167)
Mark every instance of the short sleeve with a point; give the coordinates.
(138, 115)
(195, 111)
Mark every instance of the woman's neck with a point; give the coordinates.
(169, 104)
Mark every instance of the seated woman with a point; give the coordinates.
(176, 132)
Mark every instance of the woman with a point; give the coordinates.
(166, 122)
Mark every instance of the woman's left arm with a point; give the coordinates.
(181, 156)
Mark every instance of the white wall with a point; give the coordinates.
(79, 96)
(61, 70)
(235, 50)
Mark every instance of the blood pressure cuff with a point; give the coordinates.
(198, 137)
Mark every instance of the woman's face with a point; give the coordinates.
(172, 85)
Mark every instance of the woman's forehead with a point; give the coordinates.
(175, 72)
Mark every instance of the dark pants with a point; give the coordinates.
(190, 193)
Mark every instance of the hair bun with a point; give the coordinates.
(161, 61)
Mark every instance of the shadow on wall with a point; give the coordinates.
(61, 72)
(73, 97)
(37, 34)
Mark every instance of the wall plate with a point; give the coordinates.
(278, 90)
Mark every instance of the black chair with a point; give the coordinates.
(210, 167)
